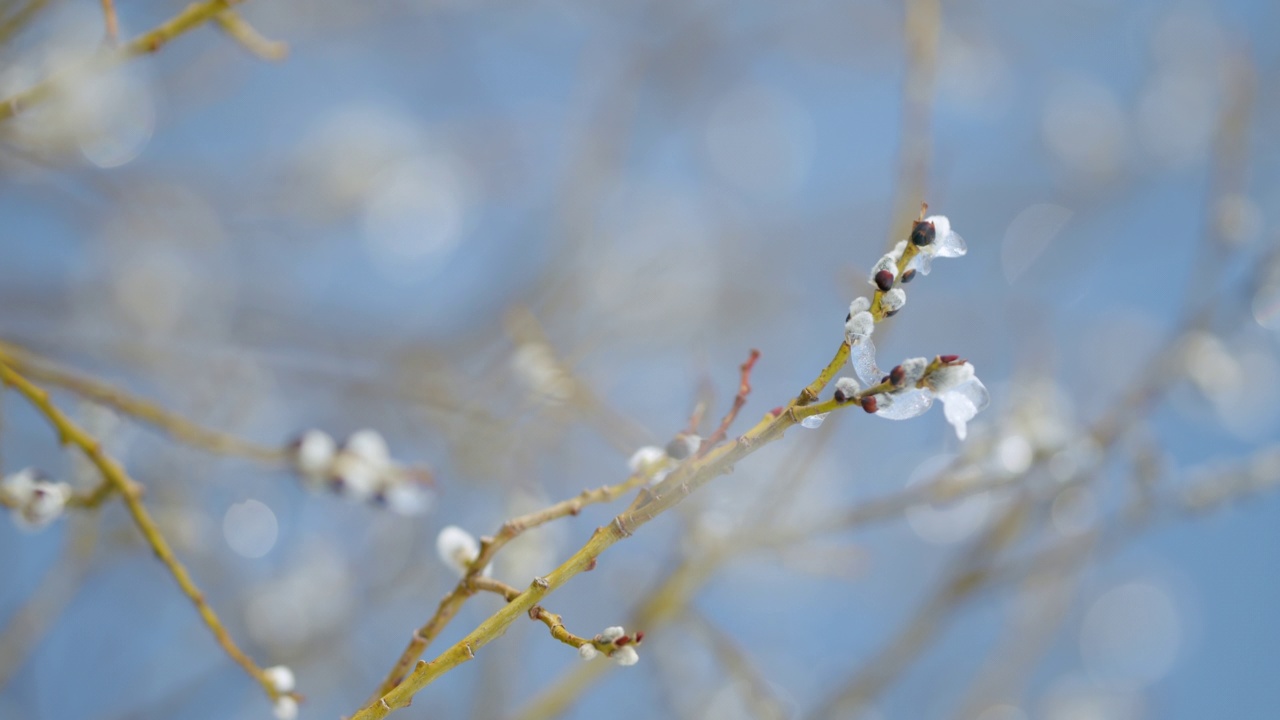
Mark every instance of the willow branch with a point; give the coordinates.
(69, 433)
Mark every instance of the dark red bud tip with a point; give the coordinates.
(884, 281)
(622, 641)
(884, 379)
(840, 396)
(776, 411)
(869, 403)
(591, 565)
(923, 233)
(897, 375)
(891, 313)
(639, 636)
(848, 317)
(909, 275)
(948, 358)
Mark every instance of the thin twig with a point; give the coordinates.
(179, 428)
(744, 389)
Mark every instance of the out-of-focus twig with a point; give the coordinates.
(195, 15)
(239, 29)
(167, 421)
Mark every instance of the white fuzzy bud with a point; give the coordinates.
(912, 370)
(354, 477)
(280, 677)
(37, 501)
(846, 389)
(859, 304)
(313, 454)
(899, 248)
(588, 652)
(368, 445)
(613, 632)
(893, 300)
(861, 325)
(406, 496)
(889, 264)
(458, 549)
(646, 460)
(626, 656)
(285, 708)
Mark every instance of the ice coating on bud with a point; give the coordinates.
(846, 389)
(457, 548)
(860, 326)
(893, 300)
(863, 358)
(587, 651)
(813, 422)
(626, 656)
(369, 446)
(280, 677)
(646, 459)
(949, 376)
(964, 401)
(947, 244)
(906, 404)
(313, 453)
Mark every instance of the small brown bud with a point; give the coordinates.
(776, 411)
(897, 375)
(869, 403)
(891, 313)
(948, 359)
(884, 281)
(923, 233)
(639, 636)
(840, 396)
(908, 276)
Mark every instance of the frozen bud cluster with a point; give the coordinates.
(361, 470)
(933, 237)
(36, 500)
(617, 644)
(458, 549)
(917, 383)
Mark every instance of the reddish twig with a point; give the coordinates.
(744, 389)
(109, 17)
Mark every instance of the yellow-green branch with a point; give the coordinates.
(69, 433)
